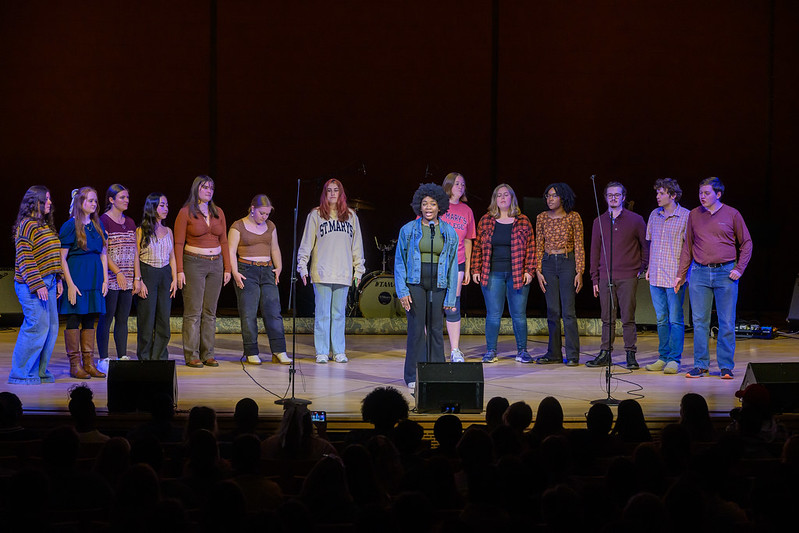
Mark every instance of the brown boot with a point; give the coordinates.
(72, 342)
(87, 347)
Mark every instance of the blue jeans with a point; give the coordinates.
(36, 337)
(706, 284)
(260, 292)
(671, 322)
(330, 319)
(559, 271)
(500, 287)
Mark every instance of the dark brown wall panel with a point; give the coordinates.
(98, 92)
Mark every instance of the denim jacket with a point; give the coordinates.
(408, 260)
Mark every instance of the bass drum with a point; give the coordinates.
(377, 297)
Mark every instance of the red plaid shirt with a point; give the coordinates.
(522, 249)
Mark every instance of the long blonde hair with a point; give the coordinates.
(76, 211)
(513, 211)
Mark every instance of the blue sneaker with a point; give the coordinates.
(523, 357)
(490, 356)
(697, 372)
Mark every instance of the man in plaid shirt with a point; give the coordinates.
(665, 232)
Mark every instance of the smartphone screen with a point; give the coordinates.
(318, 416)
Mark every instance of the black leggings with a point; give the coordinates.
(75, 321)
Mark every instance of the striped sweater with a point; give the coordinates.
(38, 254)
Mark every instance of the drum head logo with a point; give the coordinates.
(385, 298)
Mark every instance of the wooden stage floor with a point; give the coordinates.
(377, 360)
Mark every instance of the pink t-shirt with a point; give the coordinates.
(461, 218)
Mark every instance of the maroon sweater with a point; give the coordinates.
(630, 254)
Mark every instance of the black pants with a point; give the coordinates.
(117, 307)
(152, 314)
(416, 348)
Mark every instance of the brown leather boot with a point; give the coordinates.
(72, 342)
(87, 347)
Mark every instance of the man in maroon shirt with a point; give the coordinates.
(717, 249)
(619, 254)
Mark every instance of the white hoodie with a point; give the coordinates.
(335, 249)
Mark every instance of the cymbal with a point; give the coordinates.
(357, 203)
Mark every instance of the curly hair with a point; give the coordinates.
(384, 407)
(32, 206)
(564, 192)
(671, 187)
(434, 191)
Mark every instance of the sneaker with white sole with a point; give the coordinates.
(657, 366)
(102, 365)
(253, 360)
(672, 367)
(322, 359)
(340, 358)
(124, 358)
(456, 356)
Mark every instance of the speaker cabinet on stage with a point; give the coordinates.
(793, 312)
(132, 385)
(449, 388)
(781, 380)
(645, 311)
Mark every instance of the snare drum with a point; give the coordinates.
(377, 297)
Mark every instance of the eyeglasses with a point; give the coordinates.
(613, 196)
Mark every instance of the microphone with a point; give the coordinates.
(363, 169)
(432, 226)
(593, 177)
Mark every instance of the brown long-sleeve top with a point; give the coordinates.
(565, 233)
(195, 232)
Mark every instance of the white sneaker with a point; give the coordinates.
(253, 359)
(341, 358)
(322, 359)
(124, 358)
(102, 365)
(282, 358)
(456, 356)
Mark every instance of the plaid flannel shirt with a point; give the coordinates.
(522, 249)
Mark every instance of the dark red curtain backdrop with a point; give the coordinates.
(261, 94)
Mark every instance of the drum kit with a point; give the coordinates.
(376, 297)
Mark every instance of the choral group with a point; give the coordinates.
(90, 270)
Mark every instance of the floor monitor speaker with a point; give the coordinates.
(449, 388)
(132, 385)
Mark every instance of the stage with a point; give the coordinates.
(377, 360)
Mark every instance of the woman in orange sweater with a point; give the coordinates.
(203, 266)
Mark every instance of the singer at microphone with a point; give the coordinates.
(619, 254)
(426, 277)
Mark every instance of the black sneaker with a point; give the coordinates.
(547, 360)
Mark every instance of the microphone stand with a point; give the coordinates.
(429, 304)
(609, 400)
(286, 402)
